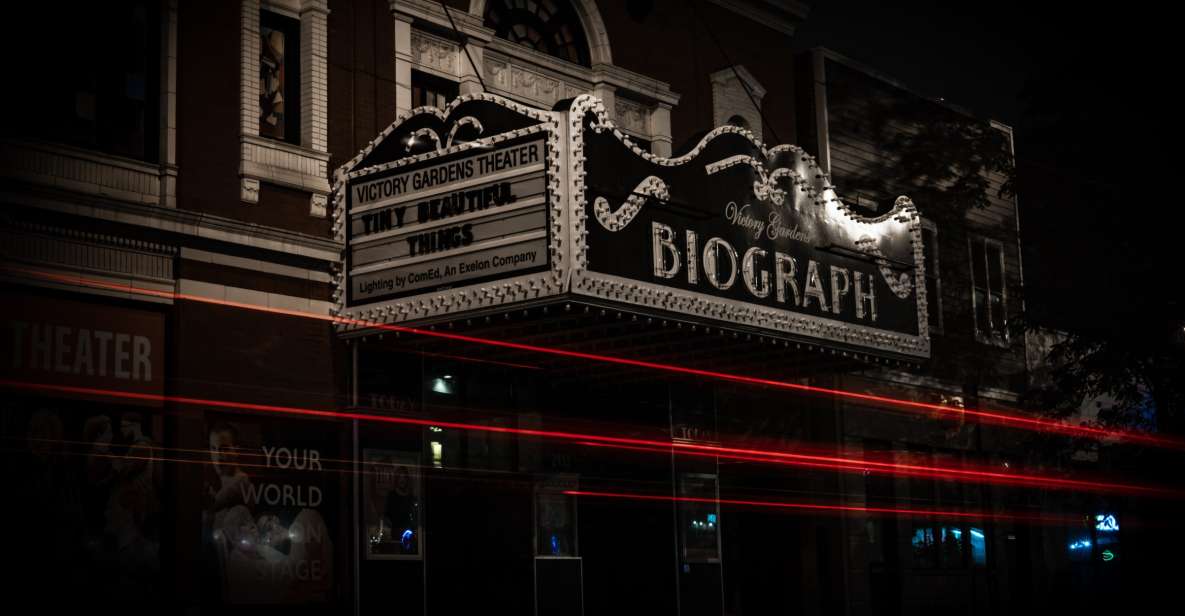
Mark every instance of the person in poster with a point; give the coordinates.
(133, 505)
(268, 545)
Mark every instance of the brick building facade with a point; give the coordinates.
(176, 187)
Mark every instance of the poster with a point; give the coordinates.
(89, 509)
(392, 498)
(269, 510)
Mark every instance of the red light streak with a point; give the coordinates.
(754, 455)
(987, 417)
(844, 509)
(858, 465)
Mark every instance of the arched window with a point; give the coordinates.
(549, 26)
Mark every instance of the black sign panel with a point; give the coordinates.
(734, 221)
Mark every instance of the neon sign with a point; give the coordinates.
(1106, 523)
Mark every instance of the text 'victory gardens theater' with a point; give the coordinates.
(494, 306)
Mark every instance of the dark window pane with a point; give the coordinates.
(923, 547)
(999, 320)
(93, 81)
(952, 546)
(551, 29)
(431, 91)
(995, 265)
(978, 263)
(982, 320)
(699, 521)
(391, 494)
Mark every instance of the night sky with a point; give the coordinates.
(1088, 91)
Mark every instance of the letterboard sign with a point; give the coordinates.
(450, 210)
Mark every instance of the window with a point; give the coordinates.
(943, 544)
(736, 99)
(392, 497)
(431, 91)
(555, 517)
(279, 77)
(90, 77)
(933, 277)
(549, 26)
(987, 283)
(699, 518)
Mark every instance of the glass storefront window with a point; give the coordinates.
(392, 496)
(978, 542)
(699, 518)
(952, 546)
(924, 548)
(555, 517)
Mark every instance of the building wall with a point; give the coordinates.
(854, 119)
(275, 253)
(680, 50)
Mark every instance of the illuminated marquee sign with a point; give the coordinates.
(738, 233)
(447, 200)
(487, 204)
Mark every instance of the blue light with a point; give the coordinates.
(711, 518)
(555, 545)
(1106, 523)
(406, 538)
(1080, 545)
(978, 547)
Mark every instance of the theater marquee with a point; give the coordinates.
(488, 204)
(449, 211)
(738, 233)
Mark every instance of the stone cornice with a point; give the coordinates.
(176, 221)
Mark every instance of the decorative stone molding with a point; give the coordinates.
(51, 256)
(514, 80)
(190, 223)
(314, 75)
(284, 164)
(249, 68)
(52, 245)
(249, 190)
(303, 166)
(435, 53)
(318, 205)
(524, 74)
(88, 172)
(632, 117)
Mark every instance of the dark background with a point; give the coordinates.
(1087, 90)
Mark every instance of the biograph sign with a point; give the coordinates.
(739, 233)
